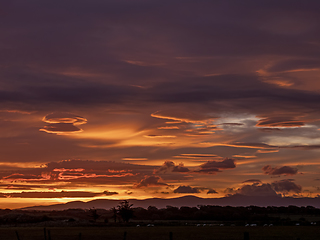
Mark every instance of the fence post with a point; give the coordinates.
(246, 236)
(45, 233)
(17, 235)
(170, 236)
(49, 235)
(125, 236)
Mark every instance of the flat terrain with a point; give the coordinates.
(162, 233)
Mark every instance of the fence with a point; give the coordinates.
(47, 235)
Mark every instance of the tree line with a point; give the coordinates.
(126, 212)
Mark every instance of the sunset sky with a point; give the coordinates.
(124, 99)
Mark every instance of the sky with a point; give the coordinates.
(125, 99)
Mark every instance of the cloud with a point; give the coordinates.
(186, 189)
(212, 191)
(62, 194)
(108, 193)
(232, 124)
(150, 181)
(273, 129)
(160, 136)
(74, 172)
(286, 122)
(195, 155)
(182, 116)
(212, 167)
(252, 181)
(285, 170)
(169, 166)
(256, 189)
(169, 127)
(62, 123)
(267, 189)
(286, 185)
(293, 65)
(187, 70)
(267, 151)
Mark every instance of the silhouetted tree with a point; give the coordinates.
(93, 213)
(125, 210)
(115, 212)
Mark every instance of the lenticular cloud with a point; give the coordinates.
(63, 123)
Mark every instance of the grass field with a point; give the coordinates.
(162, 233)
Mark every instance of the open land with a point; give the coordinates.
(163, 233)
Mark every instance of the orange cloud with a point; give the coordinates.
(62, 123)
(62, 194)
(169, 127)
(181, 116)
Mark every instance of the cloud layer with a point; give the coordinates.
(285, 170)
(211, 95)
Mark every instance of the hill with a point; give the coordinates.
(191, 201)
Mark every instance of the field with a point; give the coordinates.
(163, 233)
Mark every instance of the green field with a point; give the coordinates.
(162, 233)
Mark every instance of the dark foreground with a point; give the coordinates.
(162, 233)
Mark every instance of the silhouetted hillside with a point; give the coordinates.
(191, 201)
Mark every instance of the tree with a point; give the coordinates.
(115, 212)
(125, 210)
(93, 213)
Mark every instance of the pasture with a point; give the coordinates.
(161, 233)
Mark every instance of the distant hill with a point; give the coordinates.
(191, 201)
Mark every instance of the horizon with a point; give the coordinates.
(158, 99)
(236, 200)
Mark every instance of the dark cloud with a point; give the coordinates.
(186, 189)
(150, 181)
(269, 129)
(295, 64)
(286, 185)
(169, 166)
(108, 193)
(17, 187)
(302, 147)
(285, 170)
(232, 124)
(279, 122)
(212, 191)
(251, 145)
(212, 167)
(256, 189)
(266, 189)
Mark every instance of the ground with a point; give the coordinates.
(162, 233)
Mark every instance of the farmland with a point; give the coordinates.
(162, 233)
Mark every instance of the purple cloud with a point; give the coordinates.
(284, 170)
(286, 185)
(150, 181)
(186, 189)
(169, 166)
(212, 167)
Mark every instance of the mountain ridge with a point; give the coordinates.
(191, 201)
